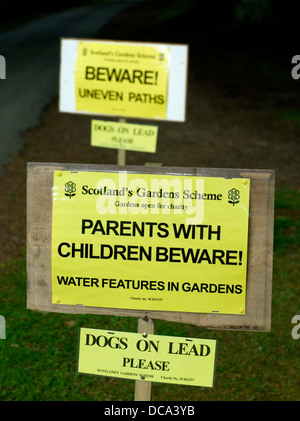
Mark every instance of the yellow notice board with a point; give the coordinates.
(156, 358)
(132, 137)
(150, 242)
(122, 79)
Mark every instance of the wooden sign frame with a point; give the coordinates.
(177, 78)
(260, 246)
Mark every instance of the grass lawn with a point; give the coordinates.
(38, 359)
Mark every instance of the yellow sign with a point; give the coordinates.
(122, 79)
(150, 242)
(156, 358)
(132, 137)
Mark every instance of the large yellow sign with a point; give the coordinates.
(151, 242)
(156, 358)
(122, 79)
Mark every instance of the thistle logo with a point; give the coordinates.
(70, 189)
(233, 196)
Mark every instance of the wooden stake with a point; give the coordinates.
(143, 388)
(122, 152)
(121, 156)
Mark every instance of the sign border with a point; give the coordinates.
(257, 316)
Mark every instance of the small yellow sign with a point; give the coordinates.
(150, 242)
(131, 137)
(122, 79)
(155, 358)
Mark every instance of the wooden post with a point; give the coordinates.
(143, 388)
(122, 152)
(121, 156)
